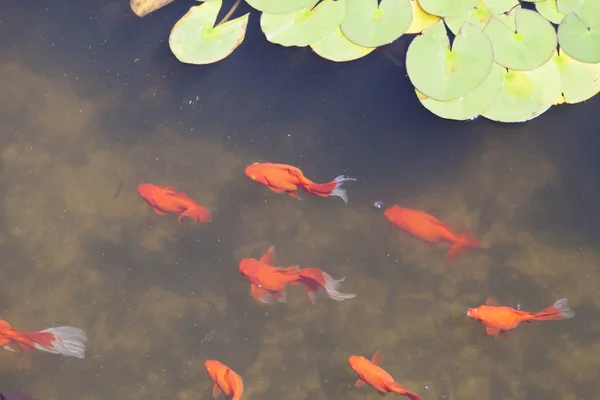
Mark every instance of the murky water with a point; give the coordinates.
(93, 104)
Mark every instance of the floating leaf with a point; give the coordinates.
(579, 81)
(281, 6)
(524, 40)
(446, 74)
(587, 10)
(525, 94)
(478, 16)
(421, 19)
(195, 40)
(370, 25)
(501, 6)
(447, 8)
(578, 41)
(304, 27)
(472, 104)
(549, 10)
(141, 8)
(336, 47)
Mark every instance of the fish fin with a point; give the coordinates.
(12, 347)
(260, 295)
(332, 188)
(199, 213)
(269, 256)
(558, 311)
(65, 340)
(376, 359)
(294, 195)
(492, 331)
(491, 301)
(156, 210)
(315, 279)
(359, 383)
(216, 391)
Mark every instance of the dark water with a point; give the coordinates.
(93, 104)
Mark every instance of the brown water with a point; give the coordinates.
(93, 104)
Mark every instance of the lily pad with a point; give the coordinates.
(195, 40)
(587, 10)
(472, 104)
(281, 6)
(421, 19)
(447, 8)
(141, 8)
(443, 73)
(579, 81)
(501, 6)
(371, 25)
(478, 16)
(336, 47)
(305, 26)
(523, 41)
(549, 10)
(578, 41)
(525, 94)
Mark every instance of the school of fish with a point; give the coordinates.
(269, 283)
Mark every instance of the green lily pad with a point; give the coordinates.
(578, 41)
(280, 6)
(525, 94)
(447, 8)
(478, 16)
(443, 73)
(421, 19)
(370, 25)
(195, 40)
(587, 10)
(336, 47)
(579, 81)
(472, 104)
(549, 10)
(304, 27)
(523, 41)
(501, 6)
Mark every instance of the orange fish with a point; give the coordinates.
(167, 200)
(428, 228)
(282, 178)
(498, 320)
(369, 372)
(268, 283)
(225, 379)
(64, 340)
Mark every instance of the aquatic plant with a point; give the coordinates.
(505, 60)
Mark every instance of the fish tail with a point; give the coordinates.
(332, 188)
(65, 340)
(199, 213)
(318, 283)
(465, 242)
(558, 311)
(397, 388)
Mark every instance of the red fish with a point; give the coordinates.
(64, 340)
(369, 372)
(429, 229)
(268, 283)
(282, 178)
(498, 320)
(167, 200)
(225, 379)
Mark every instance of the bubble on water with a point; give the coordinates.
(426, 387)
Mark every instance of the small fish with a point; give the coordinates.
(16, 396)
(369, 372)
(64, 340)
(282, 178)
(499, 319)
(225, 379)
(268, 283)
(167, 200)
(429, 229)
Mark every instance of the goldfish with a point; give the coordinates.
(64, 340)
(167, 200)
(429, 229)
(225, 379)
(499, 319)
(369, 372)
(282, 178)
(268, 283)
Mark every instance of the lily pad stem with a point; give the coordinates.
(231, 11)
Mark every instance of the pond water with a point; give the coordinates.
(94, 103)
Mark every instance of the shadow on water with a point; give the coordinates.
(94, 104)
